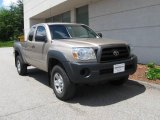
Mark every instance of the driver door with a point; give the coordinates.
(38, 48)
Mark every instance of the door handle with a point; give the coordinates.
(33, 46)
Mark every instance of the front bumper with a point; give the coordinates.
(96, 72)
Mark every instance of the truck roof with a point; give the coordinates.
(57, 23)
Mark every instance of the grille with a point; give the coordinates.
(114, 54)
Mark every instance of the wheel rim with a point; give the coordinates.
(58, 83)
(18, 66)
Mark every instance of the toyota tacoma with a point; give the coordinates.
(74, 54)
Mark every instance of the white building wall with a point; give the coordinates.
(134, 21)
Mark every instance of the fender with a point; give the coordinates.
(62, 59)
(57, 55)
(16, 48)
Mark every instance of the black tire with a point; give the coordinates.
(120, 81)
(21, 66)
(68, 90)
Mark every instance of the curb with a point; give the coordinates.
(149, 85)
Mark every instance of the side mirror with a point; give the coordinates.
(100, 35)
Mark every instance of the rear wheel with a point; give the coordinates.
(21, 66)
(120, 81)
(61, 84)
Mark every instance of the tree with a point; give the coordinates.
(11, 21)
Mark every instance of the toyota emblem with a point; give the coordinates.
(115, 53)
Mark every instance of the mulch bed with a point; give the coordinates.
(140, 75)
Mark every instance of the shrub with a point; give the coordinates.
(153, 72)
(151, 65)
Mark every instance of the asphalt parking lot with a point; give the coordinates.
(31, 98)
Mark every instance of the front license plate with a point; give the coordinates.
(119, 68)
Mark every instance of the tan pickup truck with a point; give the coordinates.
(74, 54)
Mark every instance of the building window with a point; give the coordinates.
(64, 17)
(49, 19)
(57, 18)
(82, 15)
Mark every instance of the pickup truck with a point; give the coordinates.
(74, 54)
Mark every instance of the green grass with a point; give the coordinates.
(6, 44)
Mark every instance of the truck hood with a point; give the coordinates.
(91, 42)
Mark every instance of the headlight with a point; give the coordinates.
(83, 54)
(131, 48)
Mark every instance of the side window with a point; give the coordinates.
(40, 34)
(31, 33)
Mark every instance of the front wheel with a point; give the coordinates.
(120, 81)
(61, 84)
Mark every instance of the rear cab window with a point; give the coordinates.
(31, 33)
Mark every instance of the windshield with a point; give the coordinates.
(71, 31)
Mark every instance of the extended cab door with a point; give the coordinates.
(39, 48)
(28, 46)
